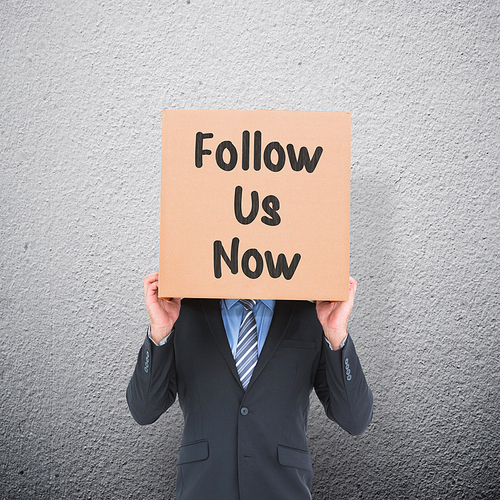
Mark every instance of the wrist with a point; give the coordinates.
(158, 334)
(335, 337)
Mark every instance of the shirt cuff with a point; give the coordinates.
(163, 341)
(342, 344)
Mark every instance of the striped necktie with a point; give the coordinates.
(246, 349)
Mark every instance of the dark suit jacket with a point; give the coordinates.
(247, 444)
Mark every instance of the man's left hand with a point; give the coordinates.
(333, 316)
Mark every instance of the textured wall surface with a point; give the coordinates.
(82, 86)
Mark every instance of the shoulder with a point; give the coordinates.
(198, 311)
(200, 304)
(301, 314)
(296, 307)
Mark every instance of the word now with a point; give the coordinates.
(274, 162)
(275, 271)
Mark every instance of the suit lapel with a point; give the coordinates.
(283, 311)
(213, 315)
(282, 316)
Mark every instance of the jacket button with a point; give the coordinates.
(244, 411)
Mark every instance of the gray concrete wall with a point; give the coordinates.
(82, 86)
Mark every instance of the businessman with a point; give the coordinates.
(243, 372)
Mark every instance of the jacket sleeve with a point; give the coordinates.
(341, 386)
(153, 386)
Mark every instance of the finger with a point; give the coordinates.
(353, 284)
(173, 302)
(151, 277)
(148, 280)
(324, 308)
(151, 284)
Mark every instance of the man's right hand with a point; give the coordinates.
(162, 313)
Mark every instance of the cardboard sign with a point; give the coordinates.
(255, 204)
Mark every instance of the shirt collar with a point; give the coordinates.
(268, 303)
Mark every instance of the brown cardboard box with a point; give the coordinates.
(238, 190)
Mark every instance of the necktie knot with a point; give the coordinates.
(248, 304)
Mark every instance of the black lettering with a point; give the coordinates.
(276, 146)
(245, 145)
(303, 160)
(281, 265)
(238, 194)
(233, 155)
(259, 263)
(198, 149)
(219, 252)
(257, 144)
(271, 205)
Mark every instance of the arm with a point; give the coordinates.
(342, 389)
(340, 383)
(153, 386)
